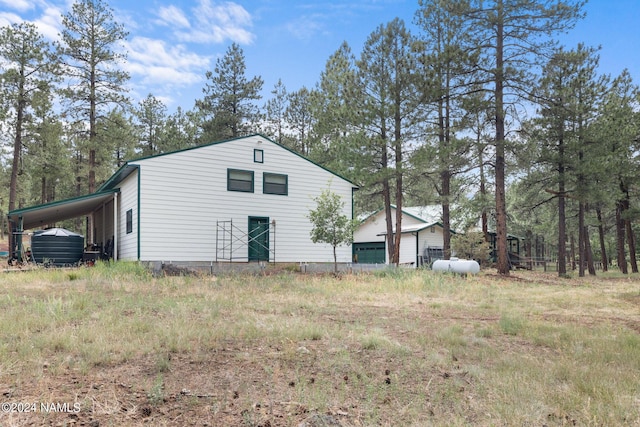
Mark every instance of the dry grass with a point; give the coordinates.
(393, 348)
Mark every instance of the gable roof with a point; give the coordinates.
(130, 165)
(428, 214)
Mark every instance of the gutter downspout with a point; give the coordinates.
(19, 237)
(115, 226)
(417, 234)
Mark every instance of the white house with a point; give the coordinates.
(244, 199)
(421, 237)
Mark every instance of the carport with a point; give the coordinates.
(49, 213)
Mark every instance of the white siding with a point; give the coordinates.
(408, 249)
(370, 229)
(427, 238)
(184, 194)
(128, 199)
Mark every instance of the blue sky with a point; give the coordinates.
(172, 44)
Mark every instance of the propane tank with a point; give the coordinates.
(455, 265)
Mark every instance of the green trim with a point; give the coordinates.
(394, 207)
(118, 176)
(264, 183)
(412, 216)
(123, 171)
(229, 180)
(139, 204)
(61, 202)
(258, 158)
(129, 221)
(428, 225)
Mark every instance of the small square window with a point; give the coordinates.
(240, 180)
(258, 156)
(273, 183)
(130, 221)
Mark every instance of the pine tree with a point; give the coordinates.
(389, 110)
(513, 36)
(618, 128)
(448, 59)
(151, 116)
(90, 42)
(182, 130)
(275, 113)
(228, 107)
(30, 68)
(299, 120)
(333, 104)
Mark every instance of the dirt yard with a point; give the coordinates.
(420, 353)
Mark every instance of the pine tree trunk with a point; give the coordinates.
(501, 206)
(562, 234)
(631, 240)
(389, 219)
(620, 238)
(582, 252)
(572, 242)
(588, 252)
(603, 249)
(398, 174)
(562, 214)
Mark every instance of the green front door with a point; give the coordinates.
(258, 238)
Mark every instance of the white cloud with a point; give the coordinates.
(217, 22)
(157, 63)
(50, 23)
(9, 18)
(173, 16)
(19, 5)
(306, 27)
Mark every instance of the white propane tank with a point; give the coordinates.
(455, 265)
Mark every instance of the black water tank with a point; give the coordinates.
(57, 246)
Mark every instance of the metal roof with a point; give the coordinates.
(48, 213)
(415, 228)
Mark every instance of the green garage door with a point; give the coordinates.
(369, 253)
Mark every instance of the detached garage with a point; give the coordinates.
(369, 252)
(421, 237)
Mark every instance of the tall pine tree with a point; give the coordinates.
(229, 104)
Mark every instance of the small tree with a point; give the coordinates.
(329, 224)
(472, 245)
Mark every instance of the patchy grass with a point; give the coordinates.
(390, 348)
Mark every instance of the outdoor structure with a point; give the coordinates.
(514, 249)
(421, 239)
(240, 200)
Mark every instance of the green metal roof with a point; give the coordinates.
(48, 213)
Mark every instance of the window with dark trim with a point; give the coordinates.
(130, 221)
(274, 183)
(240, 180)
(258, 155)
